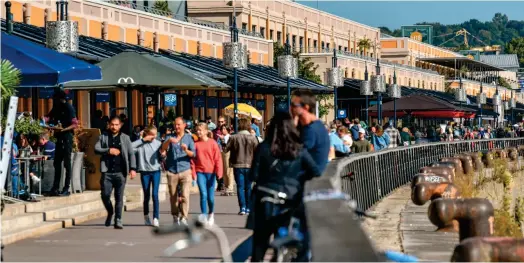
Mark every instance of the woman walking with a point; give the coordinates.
(280, 165)
(148, 163)
(223, 138)
(206, 168)
(380, 139)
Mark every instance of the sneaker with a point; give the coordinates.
(118, 224)
(211, 220)
(247, 211)
(108, 220)
(202, 218)
(155, 222)
(147, 220)
(183, 221)
(176, 220)
(242, 212)
(35, 179)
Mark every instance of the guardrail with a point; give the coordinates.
(152, 10)
(367, 178)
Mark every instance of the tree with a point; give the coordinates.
(364, 44)
(10, 80)
(516, 46)
(163, 5)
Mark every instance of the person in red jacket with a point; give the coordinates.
(206, 167)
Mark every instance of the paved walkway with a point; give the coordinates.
(92, 241)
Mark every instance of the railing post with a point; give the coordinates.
(377, 173)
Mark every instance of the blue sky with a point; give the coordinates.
(397, 13)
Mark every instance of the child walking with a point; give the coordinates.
(206, 167)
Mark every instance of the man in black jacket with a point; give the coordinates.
(117, 161)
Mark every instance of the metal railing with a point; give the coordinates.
(368, 58)
(152, 10)
(369, 177)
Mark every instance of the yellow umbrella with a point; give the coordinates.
(244, 110)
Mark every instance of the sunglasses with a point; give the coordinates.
(296, 105)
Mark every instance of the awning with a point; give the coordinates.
(423, 106)
(44, 67)
(457, 62)
(133, 69)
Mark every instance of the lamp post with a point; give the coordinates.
(235, 57)
(335, 79)
(497, 103)
(460, 95)
(378, 85)
(481, 100)
(512, 105)
(288, 69)
(395, 93)
(365, 89)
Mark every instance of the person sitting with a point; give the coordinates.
(47, 146)
(280, 165)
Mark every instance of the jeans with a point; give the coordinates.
(108, 182)
(14, 184)
(148, 179)
(206, 187)
(243, 187)
(64, 147)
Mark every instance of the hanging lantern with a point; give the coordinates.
(62, 36)
(497, 100)
(243, 57)
(234, 55)
(395, 91)
(460, 95)
(365, 88)
(481, 98)
(377, 84)
(335, 77)
(288, 67)
(513, 103)
(506, 105)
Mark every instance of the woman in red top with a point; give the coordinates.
(206, 167)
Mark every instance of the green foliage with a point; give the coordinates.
(10, 78)
(162, 5)
(326, 103)
(504, 83)
(364, 44)
(516, 46)
(171, 114)
(27, 126)
(499, 31)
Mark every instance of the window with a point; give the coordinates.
(327, 46)
(301, 43)
(263, 31)
(346, 49)
(244, 26)
(315, 44)
(146, 3)
(294, 41)
(339, 48)
(271, 34)
(279, 37)
(253, 28)
(322, 45)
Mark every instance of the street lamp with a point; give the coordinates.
(497, 103)
(460, 96)
(378, 85)
(235, 57)
(395, 93)
(481, 98)
(288, 69)
(365, 90)
(335, 79)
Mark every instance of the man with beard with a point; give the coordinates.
(63, 116)
(116, 162)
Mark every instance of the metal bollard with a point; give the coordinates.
(489, 249)
(513, 153)
(429, 178)
(476, 157)
(423, 192)
(467, 163)
(487, 159)
(474, 216)
(456, 161)
(442, 171)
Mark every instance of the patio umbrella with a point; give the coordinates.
(243, 110)
(140, 70)
(44, 67)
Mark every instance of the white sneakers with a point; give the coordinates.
(179, 221)
(208, 219)
(35, 178)
(155, 222)
(148, 221)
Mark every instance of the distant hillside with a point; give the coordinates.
(499, 31)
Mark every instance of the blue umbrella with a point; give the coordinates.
(44, 67)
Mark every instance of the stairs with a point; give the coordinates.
(27, 220)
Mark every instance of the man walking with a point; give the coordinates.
(180, 149)
(393, 134)
(63, 116)
(117, 161)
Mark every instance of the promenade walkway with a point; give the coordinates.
(92, 241)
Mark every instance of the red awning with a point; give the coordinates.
(429, 114)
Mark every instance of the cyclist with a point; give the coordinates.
(277, 170)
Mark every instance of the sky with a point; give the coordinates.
(394, 14)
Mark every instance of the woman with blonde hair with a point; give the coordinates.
(206, 167)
